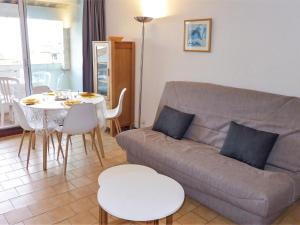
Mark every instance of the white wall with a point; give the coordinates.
(255, 45)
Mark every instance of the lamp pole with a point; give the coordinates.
(143, 20)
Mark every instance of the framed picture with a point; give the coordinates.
(197, 35)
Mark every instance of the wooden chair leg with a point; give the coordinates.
(48, 143)
(70, 142)
(61, 150)
(33, 141)
(97, 152)
(53, 145)
(59, 138)
(93, 133)
(118, 126)
(29, 148)
(84, 143)
(66, 154)
(59, 144)
(21, 143)
(120, 129)
(100, 142)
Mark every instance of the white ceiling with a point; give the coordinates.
(45, 3)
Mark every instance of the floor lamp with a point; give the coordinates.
(143, 20)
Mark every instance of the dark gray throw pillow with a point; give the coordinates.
(248, 145)
(172, 122)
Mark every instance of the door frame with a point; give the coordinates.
(22, 14)
(25, 46)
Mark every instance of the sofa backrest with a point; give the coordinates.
(216, 106)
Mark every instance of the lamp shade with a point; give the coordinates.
(143, 19)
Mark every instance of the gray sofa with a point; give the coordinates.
(236, 190)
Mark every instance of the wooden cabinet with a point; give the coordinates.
(114, 69)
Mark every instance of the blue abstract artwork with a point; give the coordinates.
(197, 34)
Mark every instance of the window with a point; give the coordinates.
(46, 41)
(10, 41)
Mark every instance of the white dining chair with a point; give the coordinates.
(74, 124)
(7, 96)
(114, 114)
(28, 127)
(58, 116)
(40, 89)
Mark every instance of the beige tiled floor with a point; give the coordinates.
(37, 197)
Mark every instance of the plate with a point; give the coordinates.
(72, 102)
(88, 95)
(51, 93)
(30, 101)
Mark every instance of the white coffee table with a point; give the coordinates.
(138, 193)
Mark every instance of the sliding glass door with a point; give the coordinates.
(46, 40)
(13, 70)
(52, 31)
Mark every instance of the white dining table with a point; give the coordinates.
(48, 103)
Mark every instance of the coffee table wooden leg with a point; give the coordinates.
(103, 217)
(169, 220)
(153, 222)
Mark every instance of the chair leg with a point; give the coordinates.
(97, 152)
(33, 141)
(118, 122)
(84, 143)
(71, 144)
(100, 142)
(29, 148)
(66, 154)
(118, 127)
(59, 144)
(59, 138)
(53, 145)
(48, 143)
(94, 133)
(21, 143)
(61, 150)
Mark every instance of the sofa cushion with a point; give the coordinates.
(294, 176)
(260, 192)
(173, 122)
(248, 145)
(216, 106)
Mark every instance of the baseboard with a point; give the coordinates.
(10, 131)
